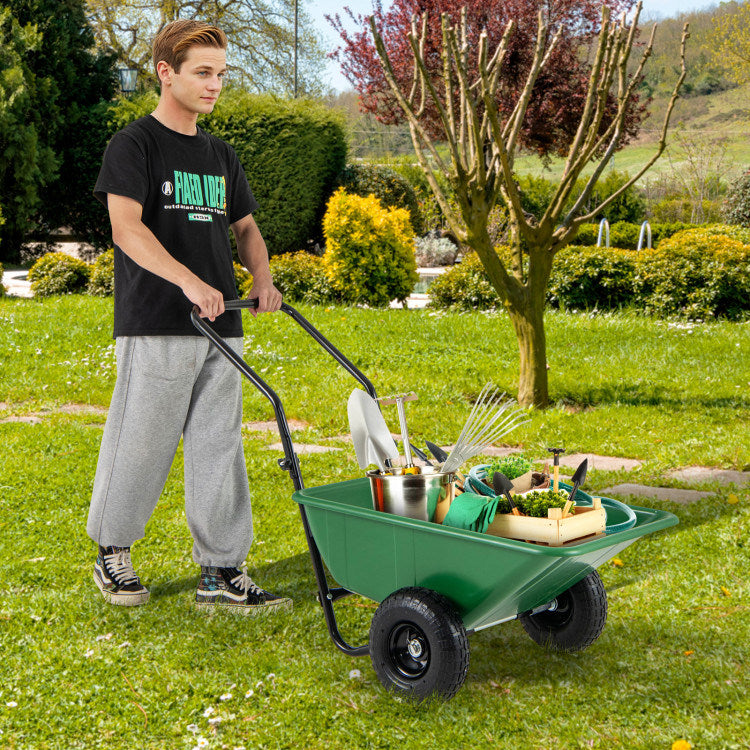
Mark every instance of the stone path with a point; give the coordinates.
(661, 493)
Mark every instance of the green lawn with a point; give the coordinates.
(671, 663)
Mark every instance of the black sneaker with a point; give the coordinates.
(233, 589)
(115, 577)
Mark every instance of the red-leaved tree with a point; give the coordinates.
(559, 94)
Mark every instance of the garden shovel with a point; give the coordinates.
(373, 443)
(502, 485)
(578, 479)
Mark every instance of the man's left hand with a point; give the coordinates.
(268, 296)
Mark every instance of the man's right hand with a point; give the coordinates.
(210, 301)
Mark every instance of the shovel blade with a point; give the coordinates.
(373, 442)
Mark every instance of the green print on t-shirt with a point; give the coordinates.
(196, 190)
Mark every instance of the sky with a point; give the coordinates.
(317, 9)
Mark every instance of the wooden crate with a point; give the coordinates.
(554, 531)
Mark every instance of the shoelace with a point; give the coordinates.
(120, 567)
(245, 583)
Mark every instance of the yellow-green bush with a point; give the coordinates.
(58, 273)
(243, 280)
(369, 255)
(2, 288)
(301, 277)
(697, 273)
(102, 279)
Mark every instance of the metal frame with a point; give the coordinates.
(290, 462)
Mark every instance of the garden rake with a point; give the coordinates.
(491, 418)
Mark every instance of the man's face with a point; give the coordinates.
(198, 84)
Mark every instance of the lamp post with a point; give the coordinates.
(128, 78)
(296, 37)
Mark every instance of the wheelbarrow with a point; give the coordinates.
(436, 585)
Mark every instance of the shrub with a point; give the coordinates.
(591, 277)
(696, 274)
(292, 152)
(390, 188)
(2, 288)
(58, 273)
(737, 201)
(464, 287)
(369, 250)
(301, 277)
(670, 210)
(433, 250)
(243, 280)
(102, 279)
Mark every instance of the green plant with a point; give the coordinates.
(696, 274)
(102, 278)
(433, 250)
(243, 280)
(392, 189)
(513, 466)
(369, 256)
(737, 201)
(626, 234)
(535, 503)
(2, 288)
(58, 273)
(465, 286)
(292, 152)
(301, 277)
(591, 277)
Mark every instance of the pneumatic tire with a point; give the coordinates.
(418, 645)
(577, 620)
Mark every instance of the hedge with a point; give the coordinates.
(58, 273)
(697, 273)
(625, 234)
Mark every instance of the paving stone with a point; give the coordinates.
(271, 426)
(302, 448)
(706, 474)
(662, 493)
(600, 463)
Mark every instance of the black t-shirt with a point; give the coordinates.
(191, 187)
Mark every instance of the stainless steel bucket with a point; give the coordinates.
(411, 495)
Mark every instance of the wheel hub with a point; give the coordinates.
(415, 648)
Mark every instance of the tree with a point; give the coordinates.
(552, 114)
(729, 40)
(260, 34)
(26, 160)
(62, 83)
(483, 138)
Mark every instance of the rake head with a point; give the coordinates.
(492, 417)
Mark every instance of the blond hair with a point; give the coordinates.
(174, 41)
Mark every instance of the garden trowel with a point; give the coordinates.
(373, 442)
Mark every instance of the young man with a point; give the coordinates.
(173, 192)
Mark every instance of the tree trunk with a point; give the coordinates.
(528, 324)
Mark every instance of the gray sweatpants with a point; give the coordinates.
(167, 387)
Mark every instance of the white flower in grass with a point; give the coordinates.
(355, 674)
(215, 720)
(192, 728)
(210, 710)
(11, 704)
(104, 637)
(250, 693)
(124, 644)
(202, 742)
(88, 653)
(225, 697)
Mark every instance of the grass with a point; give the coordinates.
(670, 664)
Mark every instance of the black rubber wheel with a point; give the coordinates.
(418, 644)
(577, 619)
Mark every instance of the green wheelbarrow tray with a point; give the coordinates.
(488, 579)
